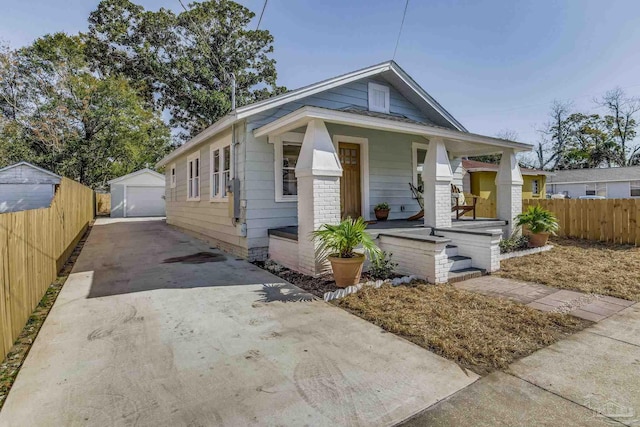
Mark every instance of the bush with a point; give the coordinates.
(383, 268)
(514, 243)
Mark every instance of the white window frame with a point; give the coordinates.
(220, 145)
(190, 185)
(289, 138)
(631, 187)
(415, 146)
(172, 176)
(212, 160)
(537, 184)
(385, 89)
(598, 186)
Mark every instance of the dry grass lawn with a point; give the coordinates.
(581, 265)
(478, 332)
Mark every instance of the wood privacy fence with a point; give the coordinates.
(103, 203)
(609, 220)
(34, 245)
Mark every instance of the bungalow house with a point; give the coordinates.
(258, 181)
(25, 186)
(611, 183)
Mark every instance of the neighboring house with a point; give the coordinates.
(25, 186)
(612, 183)
(479, 179)
(138, 194)
(330, 150)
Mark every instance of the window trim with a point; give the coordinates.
(172, 176)
(631, 185)
(415, 146)
(597, 186)
(291, 138)
(220, 145)
(192, 158)
(533, 193)
(387, 97)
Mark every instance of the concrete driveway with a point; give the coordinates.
(155, 328)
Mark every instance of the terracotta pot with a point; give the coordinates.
(382, 214)
(346, 271)
(538, 239)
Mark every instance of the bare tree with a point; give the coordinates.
(555, 136)
(621, 121)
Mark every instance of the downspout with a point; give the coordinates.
(235, 189)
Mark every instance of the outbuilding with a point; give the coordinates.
(25, 186)
(138, 194)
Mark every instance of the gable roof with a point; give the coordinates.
(27, 164)
(476, 166)
(388, 69)
(136, 173)
(570, 176)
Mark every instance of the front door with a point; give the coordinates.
(350, 191)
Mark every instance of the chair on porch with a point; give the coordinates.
(417, 194)
(459, 203)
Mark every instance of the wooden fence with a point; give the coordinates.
(103, 203)
(34, 245)
(609, 220)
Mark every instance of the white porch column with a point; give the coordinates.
(318, 172)
(437, 176)
(509, 185)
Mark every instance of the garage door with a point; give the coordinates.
(145, 201)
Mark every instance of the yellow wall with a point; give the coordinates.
(483, 184)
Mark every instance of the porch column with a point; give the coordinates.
(318, 172)
(437, 176)
(509, 185)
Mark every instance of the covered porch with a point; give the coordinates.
(349, 161)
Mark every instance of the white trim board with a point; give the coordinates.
(364, 168)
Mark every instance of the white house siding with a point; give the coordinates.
(572, 190)
(618, 190)
(24, 187)
(205, 219)
(117, 200)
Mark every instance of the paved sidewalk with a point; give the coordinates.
(586, 306)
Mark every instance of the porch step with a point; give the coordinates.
(451, 250)
(459, 262)
(465, 273)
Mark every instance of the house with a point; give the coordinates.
(479, 178)
(258, 181)
(612, 183)
(25, 186)
(138, 194)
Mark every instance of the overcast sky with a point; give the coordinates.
(493, 64)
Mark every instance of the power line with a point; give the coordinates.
(404, 14)
(261, 13)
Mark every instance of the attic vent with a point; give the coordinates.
(378, 98)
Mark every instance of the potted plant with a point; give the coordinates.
(540, 223)
(382, 211)
(338, 243)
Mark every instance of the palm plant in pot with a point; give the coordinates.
(540, 222)
(382, 211)
(337, 243)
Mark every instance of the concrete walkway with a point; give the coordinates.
(589, 379)
(155, 328)
(586, 306)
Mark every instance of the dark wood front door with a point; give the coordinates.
(350, 191)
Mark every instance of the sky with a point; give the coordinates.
(494, 65)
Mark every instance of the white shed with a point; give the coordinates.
(138, 194)
(25, 186)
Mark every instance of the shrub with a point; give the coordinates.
(514, 243)
(538, 220)
(341, 240)
(384, 206)
(383, 268)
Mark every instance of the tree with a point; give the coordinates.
(183, 62)
(621, 122)
(509, 135)
(60, 115)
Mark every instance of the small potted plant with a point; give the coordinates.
(382, 211)
(338, 243)
(540, 223)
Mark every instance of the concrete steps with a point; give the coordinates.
(460, 267)
(465, 273)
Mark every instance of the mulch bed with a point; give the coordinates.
(10, 366)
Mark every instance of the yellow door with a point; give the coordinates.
(350, 191)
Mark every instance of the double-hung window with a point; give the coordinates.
(635, 189)
(596, 189)
(220, 171)
(193, 176)
(172, 176)
(419, 155)
(286, 153)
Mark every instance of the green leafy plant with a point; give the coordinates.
(341, 240)
(384, 206)
(538, 220)
(383, 267)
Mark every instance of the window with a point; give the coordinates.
(220, 171)
(596, 189)
(378, 98)
(193, 176)
(535, 187)
(635, 188)
(172, 175)
(419, 155)
(286, 153)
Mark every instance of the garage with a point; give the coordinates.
(138, 194)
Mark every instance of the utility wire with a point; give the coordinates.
(261, 13)
(404, 14)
